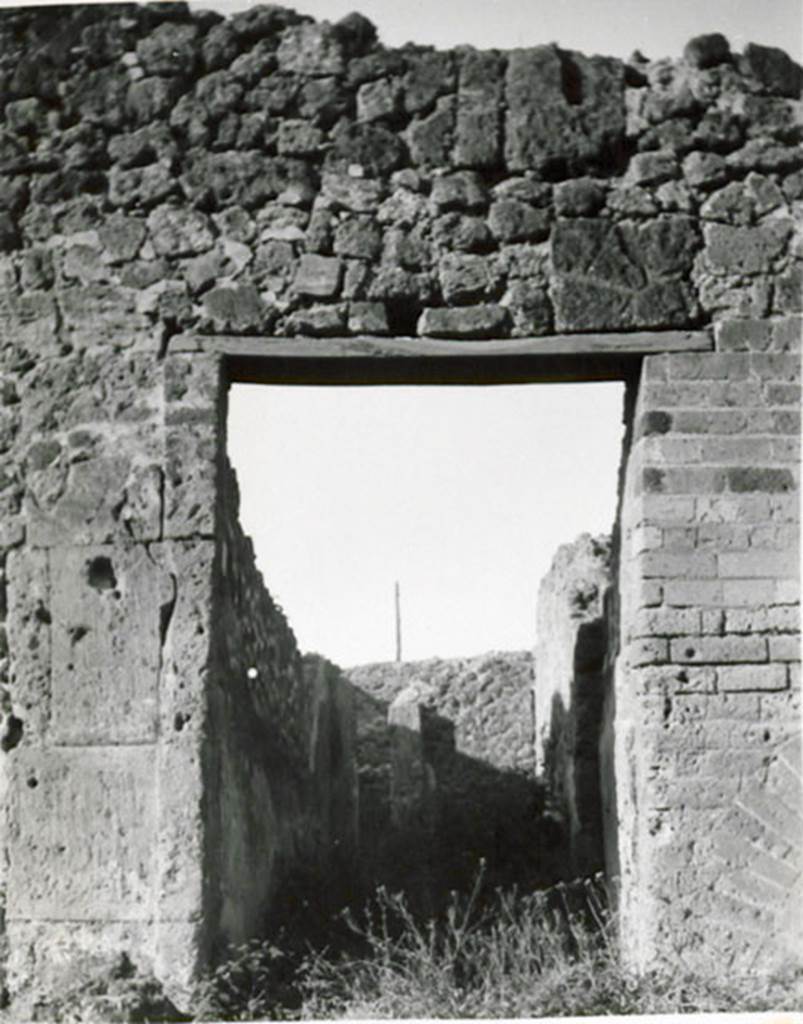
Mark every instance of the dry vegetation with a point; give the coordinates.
(503, 954)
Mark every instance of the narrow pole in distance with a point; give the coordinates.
(398, 622)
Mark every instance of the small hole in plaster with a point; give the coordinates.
(100, 574)
(77, 633)
(12, 733)
(767, 736)
(42, 614)
(690, 652)
(33, 782)
(180, 721)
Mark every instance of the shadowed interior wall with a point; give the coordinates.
(569, 692)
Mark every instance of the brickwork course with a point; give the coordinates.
(167, 178)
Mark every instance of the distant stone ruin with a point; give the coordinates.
(188, 201)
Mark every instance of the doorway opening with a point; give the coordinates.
(460, 497)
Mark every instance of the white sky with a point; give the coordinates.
(462, 494)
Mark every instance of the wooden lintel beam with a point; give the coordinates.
(377, 360)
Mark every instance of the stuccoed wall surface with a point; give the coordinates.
(165, 172)
(570, 686)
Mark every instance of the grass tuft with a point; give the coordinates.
(503, 954)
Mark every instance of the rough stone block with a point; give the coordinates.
(609, 277)
(467, 322)
(479, 95)
(318, 321)
(62, 865)
(171, 49)
(311, 49)
(430, 138)
(774, 69)
(513, 221)
(581, 197)
(239, 309)
(707, 51)
(466, 277)
(736, 250)
(563, 110)
(298, 138)
(318, 276)
(358, 236)
(368, 318)
(106, 641)
(429, 75)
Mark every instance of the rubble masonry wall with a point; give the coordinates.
(167, 175)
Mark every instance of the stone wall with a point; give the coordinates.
(281, 778)
(707, 690)
(569, 692)
(166, 177)
(448, 743)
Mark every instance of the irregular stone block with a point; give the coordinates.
(356, 33)
(368, 318)
(357, 236)
(179, 232)
(378, 100)
(705, 170)
(171, 49)
(609, 276)
(773, 68)
(478, 133)
(58, 799)
(121, 238)
(430, 138)
(465, 322)
(466, 277)
(370, 147)
(318, 276)
(141, 186)
(355, 194)
(219, 47)
(563, 110)
(248, 178)
(430, 74)
(151, 99)
(98, 97)
(106, 645)
(318, 321)
(513, 221)
(462, 233)
(460, 191)
(582, 197)
(298, 138)
(311, 49)
(651, 168)
(529, 307)
(738, 250)
(707, 51)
